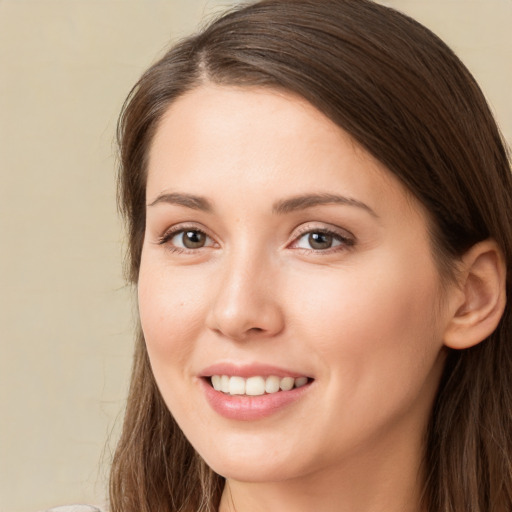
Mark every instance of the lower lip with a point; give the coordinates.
(250, 408)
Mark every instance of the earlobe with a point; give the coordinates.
(481, 298)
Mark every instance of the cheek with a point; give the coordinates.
(171, 314)
(170, 310)
(374, 334)
(374, 326)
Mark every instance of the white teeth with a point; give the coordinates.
(272, 384)
(224, 384)
(255, 386)
(216, 382)
(237, 386)
(301, 381)
(287, 383)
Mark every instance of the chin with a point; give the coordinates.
(252, 471)
(259, 463)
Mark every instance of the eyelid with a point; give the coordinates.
(347, 238)
(174, 230)
(313, 226)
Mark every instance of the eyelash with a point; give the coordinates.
(171, 233)
(346, 242)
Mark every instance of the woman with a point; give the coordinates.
(318, 204)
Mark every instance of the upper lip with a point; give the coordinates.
(249, 370)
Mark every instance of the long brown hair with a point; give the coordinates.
(404, 96)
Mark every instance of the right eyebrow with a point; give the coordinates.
(187, 200)
(310, 200)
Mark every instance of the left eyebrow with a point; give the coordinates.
(310, 200)
(187, 200)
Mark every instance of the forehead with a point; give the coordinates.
(255, 140)
(211, 114)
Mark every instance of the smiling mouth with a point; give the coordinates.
(255, 386)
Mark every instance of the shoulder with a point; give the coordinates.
(74, 508)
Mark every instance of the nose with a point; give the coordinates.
(245, 302)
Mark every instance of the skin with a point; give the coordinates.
(364, 318)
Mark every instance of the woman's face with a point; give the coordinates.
(277, 253)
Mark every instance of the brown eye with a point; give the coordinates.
(192, 239)
(322, 240)
(319, 241)
(186, 239)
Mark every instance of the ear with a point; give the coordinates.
(480, 299)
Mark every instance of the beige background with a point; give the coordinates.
(65, 315)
